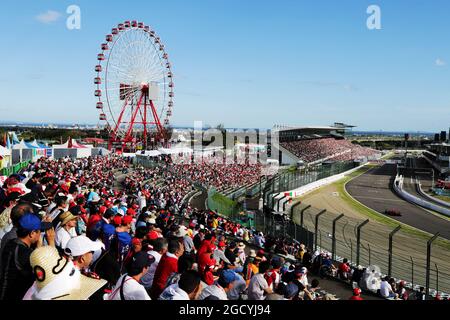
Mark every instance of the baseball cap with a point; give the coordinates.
(102, 210)
(141, 224)
(31, 222)
(136, 241)
(80, 245)
(108, 213)
(291, 291)
(228, 276)
(222, 244)
(127, 220)
(117, 220)
(356, 291)
(141, 260)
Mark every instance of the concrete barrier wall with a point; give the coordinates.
(424, 194)
(313, 186)
(398, 188)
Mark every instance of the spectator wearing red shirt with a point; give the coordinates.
(167, 265)
(356, 294)
(344, 270)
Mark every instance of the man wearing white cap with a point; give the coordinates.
(82, 251)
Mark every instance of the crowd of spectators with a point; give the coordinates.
(72, 230)
(70, 233)
(312, 150)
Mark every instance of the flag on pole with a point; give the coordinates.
(15, 140)
(8, 143)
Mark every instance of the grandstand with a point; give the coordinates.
(438, 155)
(316, 144)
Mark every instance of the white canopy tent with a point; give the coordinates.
(4, 151)
(183, 150)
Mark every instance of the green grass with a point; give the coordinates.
(376, 216)
(443, 198)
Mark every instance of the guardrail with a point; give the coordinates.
(398, 188)
(424, 194)
(14, 169)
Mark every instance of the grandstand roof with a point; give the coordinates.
(284, 128)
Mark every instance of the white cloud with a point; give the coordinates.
(440, 63)
(48, 17)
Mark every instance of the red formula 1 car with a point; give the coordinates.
(393, 212)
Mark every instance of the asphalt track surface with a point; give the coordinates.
(373, 189)
(422, 171)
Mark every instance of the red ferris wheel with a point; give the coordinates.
(134, 86)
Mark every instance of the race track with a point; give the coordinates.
(373, 189)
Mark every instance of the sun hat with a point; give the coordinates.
(66, 217)
(241, 245)
(58, 279)
(80, 245)
(252, 253)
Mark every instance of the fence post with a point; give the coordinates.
(320, 239)
(391, 235)
(429, 242)
(351, 250)
(295, 230)
(437, 277)
(358, 239)
(285, 204)
(368, 246)
(412, 272)
(316, 227)
(333, 243)
(278, 202)
(301, 214)
(292, 209)
(272, 205)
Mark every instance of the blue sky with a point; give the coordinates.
(243, 63)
